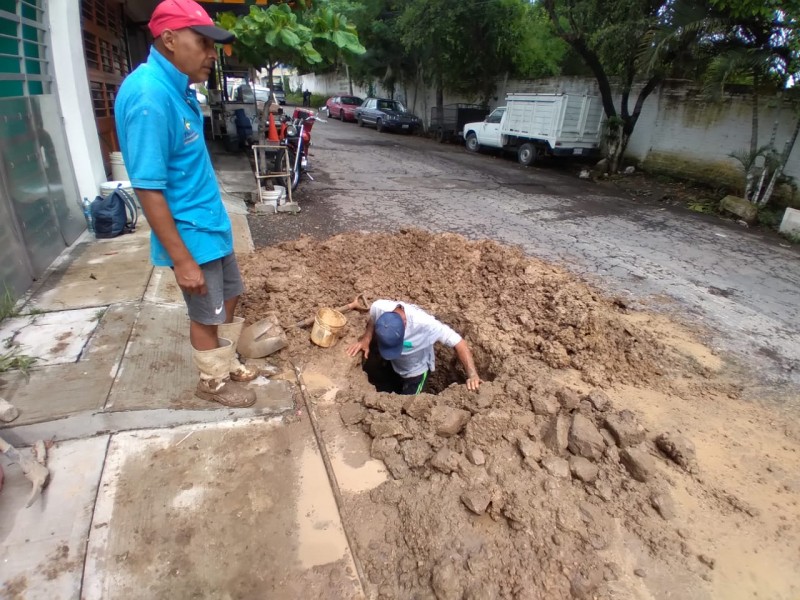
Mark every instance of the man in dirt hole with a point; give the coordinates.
(160, 129)
(405, 336)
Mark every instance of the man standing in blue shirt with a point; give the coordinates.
(405, 336)
(160, 128)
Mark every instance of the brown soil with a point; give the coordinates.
(565, 367)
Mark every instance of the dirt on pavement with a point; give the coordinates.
(608, 455)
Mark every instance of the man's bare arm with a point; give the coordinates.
(187, 272)
(465, 357)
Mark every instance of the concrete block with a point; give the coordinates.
(290, 207)
(791, 221)
(740, 207)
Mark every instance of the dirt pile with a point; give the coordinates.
(528, 489)
(515, 311)
(513, 492)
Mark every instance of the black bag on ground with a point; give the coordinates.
(114, 215)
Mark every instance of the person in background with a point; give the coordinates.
(160, 129)
(306, 98)
(405, 336)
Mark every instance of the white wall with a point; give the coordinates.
(697, 135)
(72, 89)
(678, 132)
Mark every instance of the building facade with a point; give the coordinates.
(61, 64)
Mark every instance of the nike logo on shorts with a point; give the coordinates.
(219, 310)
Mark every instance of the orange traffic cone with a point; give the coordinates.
(272, 133)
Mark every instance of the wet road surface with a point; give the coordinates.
(739, 288)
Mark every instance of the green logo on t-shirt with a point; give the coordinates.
(407, 344)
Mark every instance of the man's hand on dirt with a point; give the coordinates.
(360, 346)
(190, 278)
(473, 383)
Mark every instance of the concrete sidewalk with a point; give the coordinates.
(155, 493)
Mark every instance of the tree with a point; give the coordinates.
(385, 59)
(277, 35)
(610, 35)
(464, 46)
(754, 44)
(760, 47)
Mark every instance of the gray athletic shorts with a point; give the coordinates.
(224, 282)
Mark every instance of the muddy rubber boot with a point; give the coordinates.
(215, 382)
(232, 331)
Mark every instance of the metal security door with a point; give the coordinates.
(38, 196)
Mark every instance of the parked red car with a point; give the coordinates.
(343, 107)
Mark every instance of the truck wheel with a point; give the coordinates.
(440, 136)
(360, 121)
(526, 155)
(379, 125)
(472, 142)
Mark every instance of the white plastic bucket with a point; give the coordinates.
(107, 188)
(118, 170)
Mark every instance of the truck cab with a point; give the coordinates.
(486, 132)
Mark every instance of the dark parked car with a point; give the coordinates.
(386, 114)
(343, 107)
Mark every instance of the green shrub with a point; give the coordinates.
(794, 238)
(770, 217)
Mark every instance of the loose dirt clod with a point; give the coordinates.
(679, 449)
(518, 491)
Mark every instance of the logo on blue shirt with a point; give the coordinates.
(189, 135)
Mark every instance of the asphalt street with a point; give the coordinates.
(738, 288)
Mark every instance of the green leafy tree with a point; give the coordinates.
(609, 36)
(464, 46)
(386, 59)
(278, 34)
(760, 47)
(754, 44)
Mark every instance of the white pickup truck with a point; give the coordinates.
(535, 125)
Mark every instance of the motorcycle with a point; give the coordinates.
(295, 134)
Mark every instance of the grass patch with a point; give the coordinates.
(13, 360)
(8, 305)
(317, 100)
(707, 207)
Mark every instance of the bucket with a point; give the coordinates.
(327, 325)
(107, 188)
(118, 170)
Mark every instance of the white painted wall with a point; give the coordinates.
(703, 132)
(72, 89)
(678, 130)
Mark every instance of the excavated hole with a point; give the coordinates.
(448, 370)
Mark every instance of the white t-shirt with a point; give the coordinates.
(422, 332)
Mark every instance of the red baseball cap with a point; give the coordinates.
(179, 14)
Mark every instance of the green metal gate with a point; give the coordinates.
(39, 208)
